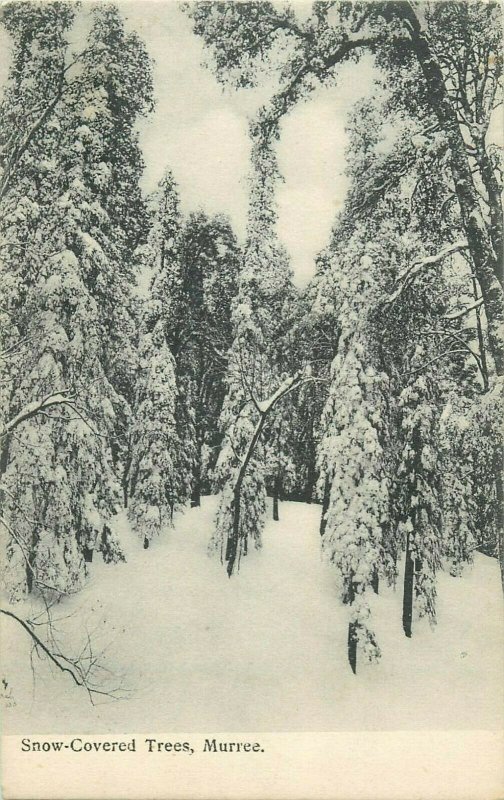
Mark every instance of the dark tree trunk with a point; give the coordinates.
(196, 494)
(88, 554)
(325, 505)
(146, 543)
(311, 472)
(352, 646)
(4, 454)
(487, 262)
(375, 581)
(196, 490)
(481, 341)
(409, 580)
(30, 564)
(276, 495)
(350, 592)
(126, 476)
(234, 536)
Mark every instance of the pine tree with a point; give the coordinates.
(117, 90)
(253, 375)
(68, 270)
(352, 458)
(154, 481)
(458, 504)
(209, 264)
(420, 507)
(158, 268)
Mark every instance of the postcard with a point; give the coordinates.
(251, 391)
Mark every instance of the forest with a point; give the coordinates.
(152, 359)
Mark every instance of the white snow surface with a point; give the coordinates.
(262, 651)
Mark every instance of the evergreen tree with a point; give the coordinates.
(253, 375)
(420, 503)
(202, 335)
(154, 481)
(457, 487)
(352, 455)
(68, 269)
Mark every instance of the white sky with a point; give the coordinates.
(199, 130)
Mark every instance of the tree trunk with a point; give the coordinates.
(352, 646)
(196, 493)
(481, 341)
(233, 538)
(409, 579)
(486, 261)
(276, 494)
(351, 591)
(127, 485)
(311, 471)
(234, 535)
(88, 554)
(4, 454)
(146, 543)
(375, 581)
(493, 191)
(196, 490)
(30, 563)
(325, 505)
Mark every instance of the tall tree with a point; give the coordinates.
(155, 489)
(65, 287)
(202, 336)
(253, 375)
(455, 83)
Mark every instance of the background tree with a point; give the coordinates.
(155, 490)
(201, 336)
(253, 375)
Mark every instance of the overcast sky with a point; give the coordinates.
(199, 130)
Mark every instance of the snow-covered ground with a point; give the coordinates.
(264, 650)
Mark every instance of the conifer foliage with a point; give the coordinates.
(68, 295)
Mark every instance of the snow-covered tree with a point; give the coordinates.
(202, 334)
(353, 461)
(253, 370)
(116, 91)
(59, 489)
(420, 512)
(65, 289)
(458, 491)
(423, 51)
(154, 481)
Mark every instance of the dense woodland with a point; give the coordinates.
(375, 392)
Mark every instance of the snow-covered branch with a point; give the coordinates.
(458, 314)
(264, 406)
(63, 397)
(406, 279)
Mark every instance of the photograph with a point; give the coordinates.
(251, 400)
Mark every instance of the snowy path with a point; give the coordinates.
(266, 650)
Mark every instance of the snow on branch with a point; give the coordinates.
(406, 279)
(263, 406)
(458, 314)
(63, 397)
